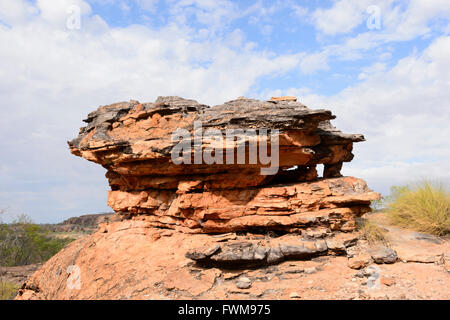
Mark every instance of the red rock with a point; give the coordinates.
(387, 281)
(360, 261)
(285, 98)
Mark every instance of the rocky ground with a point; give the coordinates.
(128, 260)
(17, 275)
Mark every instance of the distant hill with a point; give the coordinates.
(84, 224)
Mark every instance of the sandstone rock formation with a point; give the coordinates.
(134, 142)
(183, 222)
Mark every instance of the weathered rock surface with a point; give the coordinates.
(383, 254)
(132, 260)
(133, 141)
(331, 203)
(259, 253)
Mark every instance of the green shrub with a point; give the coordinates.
(23, 243)
(424, 207)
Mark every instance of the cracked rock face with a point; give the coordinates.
(134, 142)
(251, 254)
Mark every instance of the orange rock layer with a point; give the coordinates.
(331, 203)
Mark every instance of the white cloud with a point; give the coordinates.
(314, 62)
(375, 68)
(216, 14)
(235, 39)
(16, 11)
(58, 11)
(415, 20)
(342, 17)
(399, 21)
(399, 173)
(149, 5)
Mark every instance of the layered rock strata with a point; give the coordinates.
(227, 191)
(235, 253)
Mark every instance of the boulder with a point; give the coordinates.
(383, 254)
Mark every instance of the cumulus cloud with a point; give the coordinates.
(16, 11)
(314, 62)
(342, 17)
(57, 12)
(149, 5)
(216, 14)
(398, 21)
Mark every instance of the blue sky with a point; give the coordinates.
(381, 66)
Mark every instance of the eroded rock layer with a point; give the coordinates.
(135, 143)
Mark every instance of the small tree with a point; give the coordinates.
(21, 243)
(7, 241)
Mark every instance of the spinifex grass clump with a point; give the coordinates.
(424, 207)
(373, 233)
(7, 290)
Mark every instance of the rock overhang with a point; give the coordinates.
(133, 141)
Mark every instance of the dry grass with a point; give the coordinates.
(8, 290)
(372, 232)
(424, 207)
